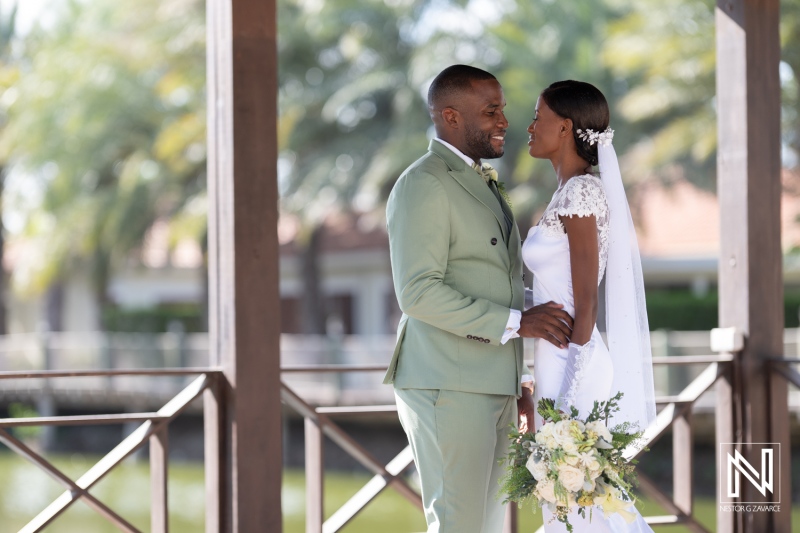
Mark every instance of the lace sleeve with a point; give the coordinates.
(583, 196)
(574, 372)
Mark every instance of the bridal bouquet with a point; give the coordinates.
(571, 463)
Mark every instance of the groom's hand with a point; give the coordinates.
(547, 321)
(526, 408)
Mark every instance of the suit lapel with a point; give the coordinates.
(472, 182)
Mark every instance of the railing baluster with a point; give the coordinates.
(511, 523)
(215, 442)
(725, 438)
(314, 477)
(682, 462)
(159, 451)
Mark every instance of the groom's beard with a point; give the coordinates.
(480, 143)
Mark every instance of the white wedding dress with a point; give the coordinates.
(546, 253)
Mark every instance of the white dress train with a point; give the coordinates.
(546, 253)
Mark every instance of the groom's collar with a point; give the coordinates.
(468, 160)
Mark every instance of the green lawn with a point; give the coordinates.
(24, 491)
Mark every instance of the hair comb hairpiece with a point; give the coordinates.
(602, 137)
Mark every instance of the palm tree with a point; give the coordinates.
(535, 44)
(351, 115)
(109, 122)
(669, 69)
(8, 74)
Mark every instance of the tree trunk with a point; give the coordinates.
(54, 306)
(313, 300)
(204, 282)
(102, 277)
(3, 277)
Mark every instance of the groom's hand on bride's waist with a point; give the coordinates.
(547, 321)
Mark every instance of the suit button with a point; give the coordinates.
(486, 341)
(469, 337)
(494, 241)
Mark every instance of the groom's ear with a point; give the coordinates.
(451, 117)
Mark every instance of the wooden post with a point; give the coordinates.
(159, 464)
(244, 310)
(511, 524)
(315, 477)
(682, 459)
(724, 432)
(750, 268)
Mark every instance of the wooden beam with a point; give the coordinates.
(244, 302)
(750, 268)
(80, 420)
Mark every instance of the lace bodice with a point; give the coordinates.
(581, 196)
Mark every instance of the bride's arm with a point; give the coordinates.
(584, 257)
(584, 260)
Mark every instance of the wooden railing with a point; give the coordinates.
(675, 413)
(153, 429)
(782, 368)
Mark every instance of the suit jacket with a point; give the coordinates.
(456, 274)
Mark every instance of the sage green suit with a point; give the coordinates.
(457, 271)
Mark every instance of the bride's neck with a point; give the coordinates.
(568, 166)
(567, 163)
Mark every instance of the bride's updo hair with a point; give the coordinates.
(585, 105)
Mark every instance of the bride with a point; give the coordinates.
(585, 231)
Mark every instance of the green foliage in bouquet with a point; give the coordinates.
(578, 463)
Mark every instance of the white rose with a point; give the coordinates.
(562, 434)
(538, 469)
(548, 441)
(572, 478)
(544, 432)
(572, 460)
(600, 430)
(545, 438)
(546, 490)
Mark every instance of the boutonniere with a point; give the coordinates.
(491, 174)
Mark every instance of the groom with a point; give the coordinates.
(458, 369)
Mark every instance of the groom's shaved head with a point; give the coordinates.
(451, 83)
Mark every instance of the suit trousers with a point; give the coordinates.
(458, 440)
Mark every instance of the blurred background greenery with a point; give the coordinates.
(103, 117)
